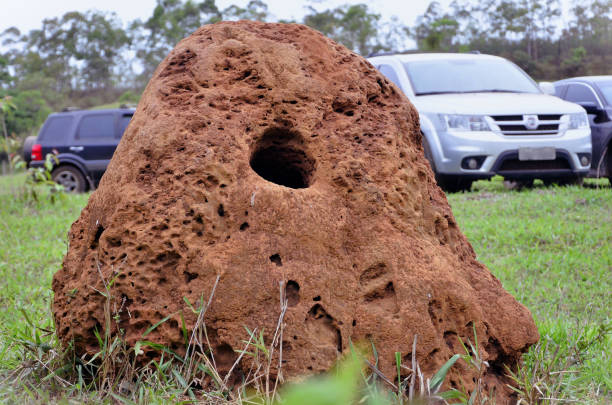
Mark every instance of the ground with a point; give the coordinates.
(551, 247)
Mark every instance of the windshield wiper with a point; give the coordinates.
(493, 91)
(429, 93)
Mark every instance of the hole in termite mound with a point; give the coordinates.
(279, 156)
(96, 240)
(292, 293)
(276, 259)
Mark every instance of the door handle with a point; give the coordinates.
(76, 148)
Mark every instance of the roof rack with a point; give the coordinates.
(411, 51)
(69, 109)
(388, 53)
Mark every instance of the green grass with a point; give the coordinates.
(550, 247)
(33, 243)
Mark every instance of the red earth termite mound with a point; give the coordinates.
(267, 153)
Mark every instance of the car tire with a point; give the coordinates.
(450, 184)
(428, 155)
(608, 167)
(565, 181)
(71, 178)
(518, 185)
(454, 184)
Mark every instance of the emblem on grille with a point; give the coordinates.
(531, 121)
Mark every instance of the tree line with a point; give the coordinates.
(91, 58)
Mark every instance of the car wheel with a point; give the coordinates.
(71, 178)
(565, 181)
(450, 184)
(608, 168)
(518, 184)
(454, 184)
(428, 155)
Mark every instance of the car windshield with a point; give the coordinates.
(468, 76)
(606, 89)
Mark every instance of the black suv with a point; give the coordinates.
(594, 94)
(83, 141)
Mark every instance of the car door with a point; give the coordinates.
(96, 141)
(122, 123)
(54, 135)
(579, 93)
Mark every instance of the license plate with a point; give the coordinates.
(547, 153)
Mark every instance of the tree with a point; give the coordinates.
(5, 77)
(29, 110)
(353, 26)
(591, 28)
(46, 50)
(171, 21)
(5, 106)
(435, 30)
(527, 32)
(75, 55)
(255, 10)
(98, 40)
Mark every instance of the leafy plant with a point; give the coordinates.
(6, 105)
(38, 182)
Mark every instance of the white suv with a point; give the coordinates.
(482, 115)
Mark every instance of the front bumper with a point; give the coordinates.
(500, 154)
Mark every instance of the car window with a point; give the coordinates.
(606, 90)
(390, 74)
(56, 129)
(577, 93)
(559, 90)
(441, 76)
(123, 123)
(97, 126)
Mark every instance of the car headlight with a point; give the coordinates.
(458, 122)
(574, 121)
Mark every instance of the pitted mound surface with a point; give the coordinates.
(263, 153)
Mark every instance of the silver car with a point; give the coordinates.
(481, 115)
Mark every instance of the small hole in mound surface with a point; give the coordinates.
(276, 259)
(317, 298)
(94, 243)
(244, 226)
(189, 276)
(280, 158)
(292, 292)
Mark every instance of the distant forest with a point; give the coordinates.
(93, 58)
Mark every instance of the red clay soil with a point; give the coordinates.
(267, 153)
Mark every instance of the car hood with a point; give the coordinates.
(494, 104)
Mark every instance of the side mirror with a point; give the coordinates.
(590, 107)
(547, 88)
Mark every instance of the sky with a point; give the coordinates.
(28, 14)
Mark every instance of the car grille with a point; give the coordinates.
(547, 124)
(530, 165)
